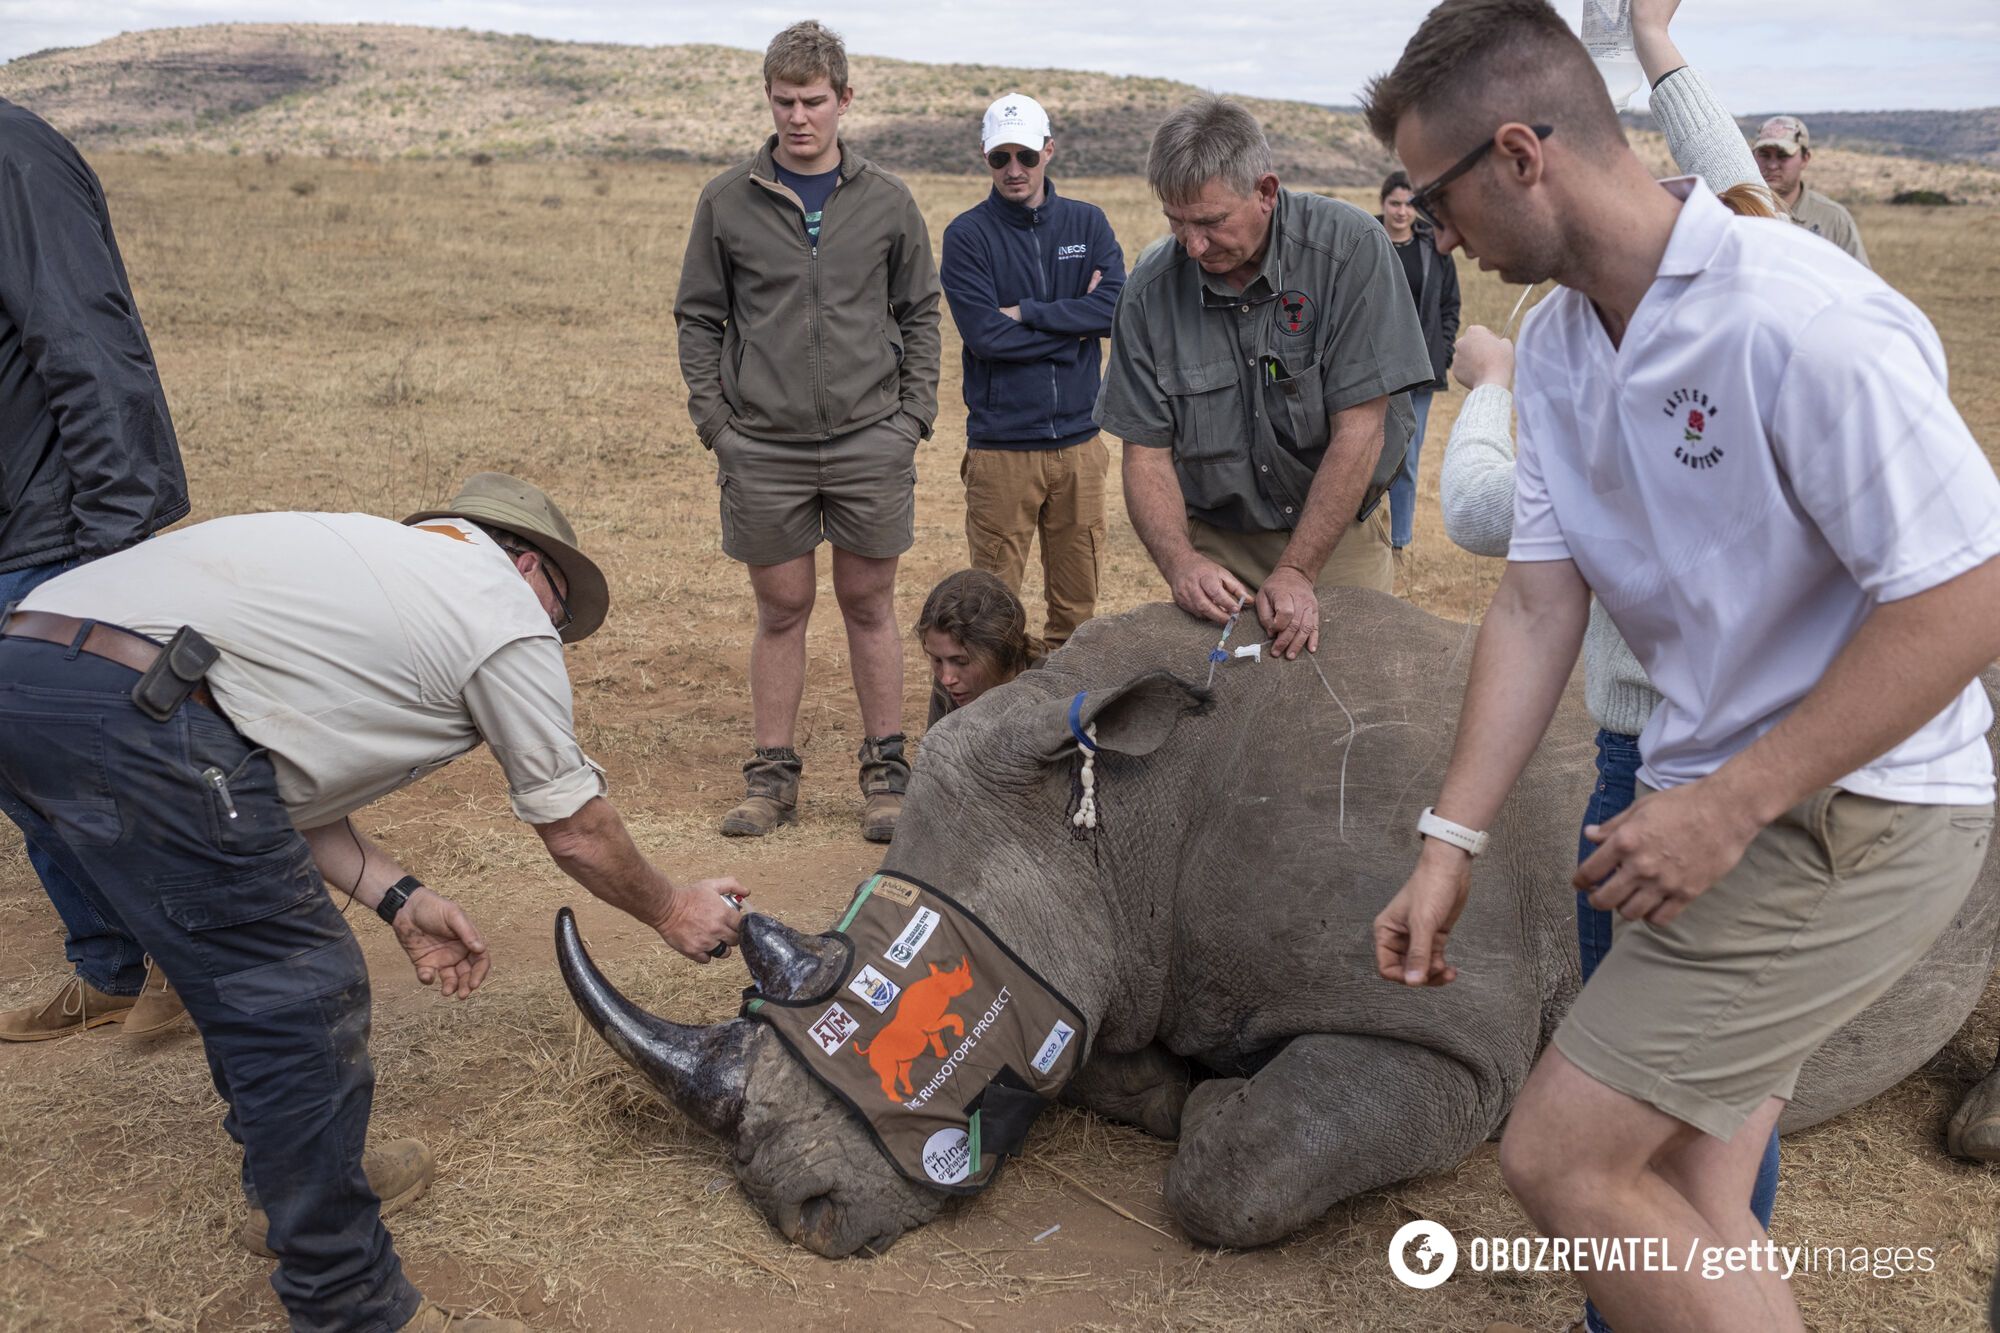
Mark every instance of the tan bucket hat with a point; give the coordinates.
(522, 508)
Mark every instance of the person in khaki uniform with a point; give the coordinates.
(199, 795)
(1259, 376)
(1033, 278)
(1783, 148)
(808, 317)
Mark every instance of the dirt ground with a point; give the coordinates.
(339, 335)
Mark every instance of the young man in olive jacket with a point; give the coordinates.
(808, 317)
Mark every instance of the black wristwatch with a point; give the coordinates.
(398, 894)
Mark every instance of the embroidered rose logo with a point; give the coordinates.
(1696, 424)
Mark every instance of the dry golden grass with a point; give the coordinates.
(365, 341)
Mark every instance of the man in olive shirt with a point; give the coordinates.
(1259, 375)
(1782, 149)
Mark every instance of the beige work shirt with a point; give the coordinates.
(1823, 217)
(361, 653)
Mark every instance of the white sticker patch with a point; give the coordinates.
(948, 1156)
(875, 989)
(1053, 1046)
(903, 950)
(833, 1029)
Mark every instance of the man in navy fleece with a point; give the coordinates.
(1033, 279)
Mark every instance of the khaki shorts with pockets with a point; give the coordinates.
(857, 491)
(1707, 1016)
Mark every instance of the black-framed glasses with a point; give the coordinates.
(568, 616)
(1426, 200)
(1000, 157)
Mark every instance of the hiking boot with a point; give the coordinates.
(399, 1172)
(885, 776)
(770, 794)
(158, 1010)
(77, 1007)
(434, 1318)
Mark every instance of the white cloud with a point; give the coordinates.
(1803, 55)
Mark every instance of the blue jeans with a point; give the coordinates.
(99, 951)
(1617, 784)
(233, 910)
(1403, 490)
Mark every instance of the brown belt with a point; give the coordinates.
(106, 641)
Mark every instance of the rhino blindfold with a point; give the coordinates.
(935, 1035)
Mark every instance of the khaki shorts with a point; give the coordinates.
(1362, 559)
(1707, 1016)
(857, 491)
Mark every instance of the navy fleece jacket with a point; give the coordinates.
(1031, 383)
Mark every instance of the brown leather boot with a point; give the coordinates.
(398, 1171)
(885, 776)
(77, 1006)
(159, 1009)
(434, 1318)
(770, 794)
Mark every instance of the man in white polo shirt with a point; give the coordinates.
(1744, 445)
(197, 795)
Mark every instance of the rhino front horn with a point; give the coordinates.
(787, 965)
(701, 1070)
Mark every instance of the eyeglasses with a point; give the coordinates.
(568, 616)
(1000, 157)
(1428, 201)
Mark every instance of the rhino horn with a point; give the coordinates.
(701, 1070)
(787, 965)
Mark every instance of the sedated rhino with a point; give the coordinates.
(1215, 931)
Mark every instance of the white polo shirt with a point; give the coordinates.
(1770, 454)
(361, 653)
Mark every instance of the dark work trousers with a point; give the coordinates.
(234, 911)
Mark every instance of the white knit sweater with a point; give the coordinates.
(1477, 488)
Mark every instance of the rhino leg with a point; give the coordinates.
(1328, 1117)
(1145, 1087)
(1974, 1130)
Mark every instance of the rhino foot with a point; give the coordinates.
(1146, 1087)
(1974, 1130)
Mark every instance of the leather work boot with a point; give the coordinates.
(399, 1172)
(770, 794)
(885, 776)
(159, 1008)
(434, 1318)
(77, 1007)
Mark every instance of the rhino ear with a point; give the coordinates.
(1134, 718)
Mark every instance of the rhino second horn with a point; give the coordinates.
(701, 1070)
(787, 965)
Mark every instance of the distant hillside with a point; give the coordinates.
(1948, 136)
(394, 91)
(383, 91)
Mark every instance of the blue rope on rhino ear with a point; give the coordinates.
(1076, 721)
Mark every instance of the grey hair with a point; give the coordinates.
(1211, 138)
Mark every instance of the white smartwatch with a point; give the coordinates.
(1430, 824)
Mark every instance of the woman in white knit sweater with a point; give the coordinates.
(1477, 486)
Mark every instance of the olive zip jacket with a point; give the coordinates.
(797, 342)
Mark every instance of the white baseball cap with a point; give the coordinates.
(1016, 119)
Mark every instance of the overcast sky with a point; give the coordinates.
(1797, 55)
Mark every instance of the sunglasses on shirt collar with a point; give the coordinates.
(1429, 201)
(1000, 157)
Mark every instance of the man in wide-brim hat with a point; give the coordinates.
(189, 724)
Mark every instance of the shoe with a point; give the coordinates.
(434, 1318)
(770, 794)
(159, 1007)
(399, 1172)
(77, 1007)
(885, 776)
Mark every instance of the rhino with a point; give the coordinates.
(1214, 929)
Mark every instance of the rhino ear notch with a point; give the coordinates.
(1134, 718)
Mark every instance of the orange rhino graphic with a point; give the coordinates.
(922, 1012)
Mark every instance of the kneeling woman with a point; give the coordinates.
(975, 633)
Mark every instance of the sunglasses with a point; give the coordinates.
(1000, 157)
(1429, 201)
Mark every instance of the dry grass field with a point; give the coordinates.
(345, 335)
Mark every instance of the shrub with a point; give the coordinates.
(1927, 198)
